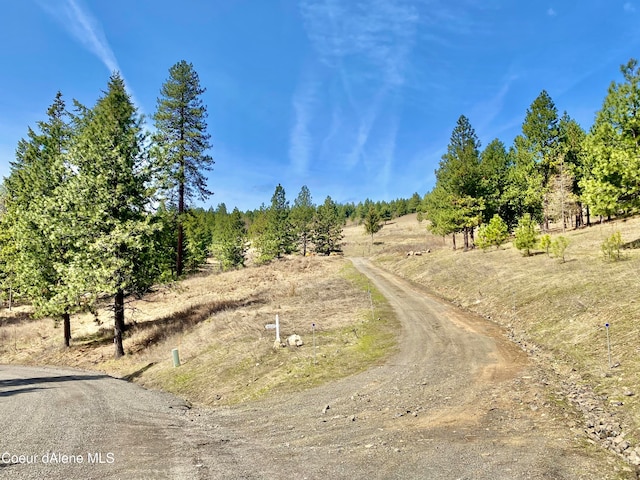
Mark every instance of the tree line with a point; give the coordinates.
(553, 172)
(96, 207)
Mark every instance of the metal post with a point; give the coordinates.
(176, 357)
(313, 330)
(277, 328)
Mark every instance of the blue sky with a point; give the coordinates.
(355, 99)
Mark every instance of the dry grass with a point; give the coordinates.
(561, 307)
(218, 323)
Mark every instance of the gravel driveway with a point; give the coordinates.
(458, 401)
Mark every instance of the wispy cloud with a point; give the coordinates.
(378, 32)
(484, 113)
(386, 154)
(366, 47)
(83, 26)
(365, 124)
(551, 12)
(80, 23)
(629, 7)
(301, 139)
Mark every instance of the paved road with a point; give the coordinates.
(61, 424)
(458, 401)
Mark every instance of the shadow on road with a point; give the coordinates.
(19, 382)
(9, 393)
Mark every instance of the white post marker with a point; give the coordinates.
(277, 328)
(606, 325)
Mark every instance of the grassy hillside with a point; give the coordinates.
(217, 320)
(552, 308)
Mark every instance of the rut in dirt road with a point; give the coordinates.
(457, 401)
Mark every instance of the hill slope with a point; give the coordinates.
(556, 310)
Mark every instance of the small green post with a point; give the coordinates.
(176, 357)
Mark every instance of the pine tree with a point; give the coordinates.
(111, 185)
(494, 176)
(573, 163)
(182, 141)
(302, 216)
(613, 148)
(198, 235)
(327, 228)
(459, 177)
(276, 238)
(41, 215)
(525, 235)
(7, 250)
(494, 233)
(372, 223)
(524, 187)
(414, 203)
(230, 239)
(440, 209)
(540, 139)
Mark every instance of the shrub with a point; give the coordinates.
(495, 233)
(545, 242)
(558, 247)
(611, 247)
(525, 235)
(481, 240)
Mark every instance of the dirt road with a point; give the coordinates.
(458, 401)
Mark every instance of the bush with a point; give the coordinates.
(611, 247)
(545, 242)
(495, 233)
(525, 235)
(558, 247)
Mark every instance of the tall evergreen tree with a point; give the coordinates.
(276, 236)
(41, 215)
(495, 164)
(327, 228)
(372, 223)
(302, 216)
(613, 148)
(229, 239)
(459, 176)
(523, 194)
(112, 185)
(439, 209)
(198, 235)
(182, 142)
(539, 144)
(572, 163)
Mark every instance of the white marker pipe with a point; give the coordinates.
(277, 328)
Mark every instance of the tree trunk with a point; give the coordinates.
(465, 236)
(304, 245)
(473, 240)
(118, 322)
(588, 217)
(180, 247)
(454, 240)
(66, 322)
